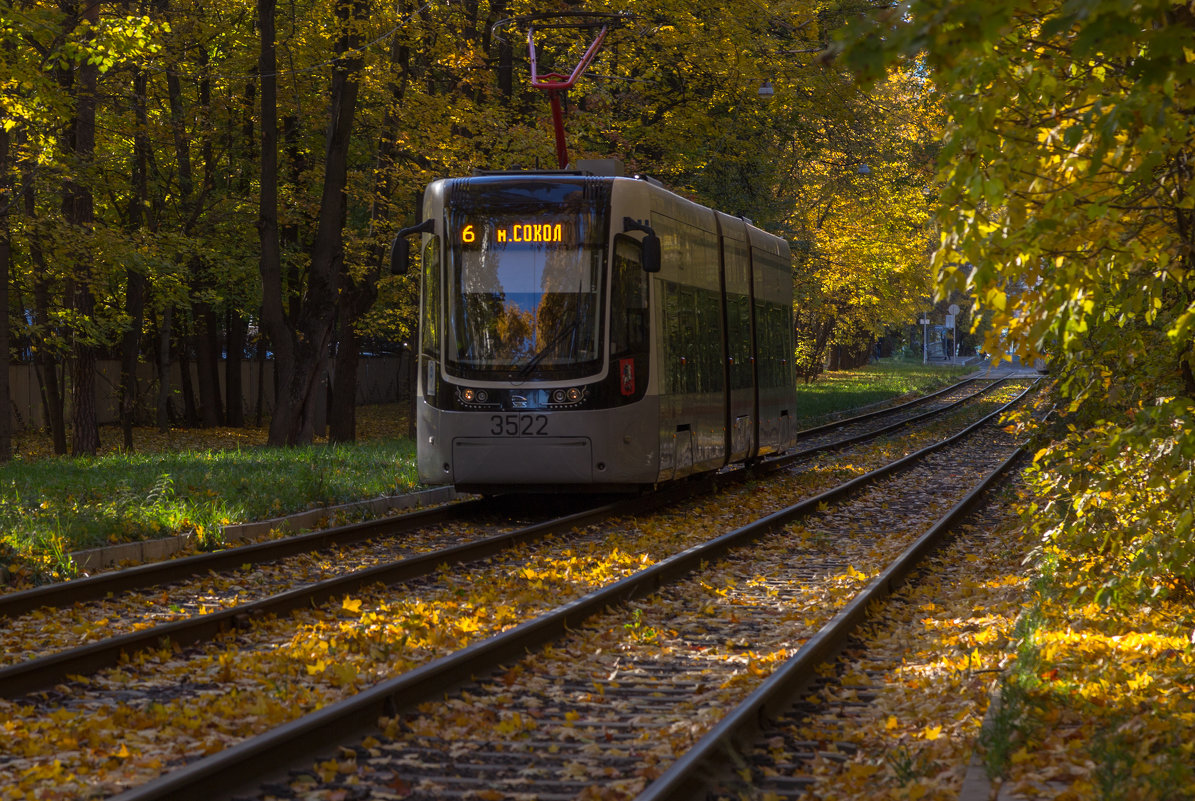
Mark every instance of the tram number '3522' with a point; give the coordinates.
(519, 425)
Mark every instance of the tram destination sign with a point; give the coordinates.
(516, 232)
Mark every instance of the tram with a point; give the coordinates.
(585, 332)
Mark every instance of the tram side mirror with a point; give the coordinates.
(649, 247)
(400, 256)
(400, 248)
(651, 254)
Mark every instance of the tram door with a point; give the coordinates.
(740, 390)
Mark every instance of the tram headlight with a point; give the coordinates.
(574, 395)
(558, 396)
(482, 396)
(468, 395)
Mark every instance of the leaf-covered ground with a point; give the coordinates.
(930, 662)
(716, 634)
(1101, 701)
(1094, 703)
(126, 725)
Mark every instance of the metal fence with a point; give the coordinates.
(380, 379)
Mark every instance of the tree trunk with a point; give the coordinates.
(207, 350)
(5, 271)
(79, 212)
(259, 403)
(270, 265)
(45, 359)
(165, 326)
(182, 150)
(289, 234)
(129, 353)
(186, 380)
(85, 433)
(357, 297)
(293, 419)
(135, 289)
(342, 410)
(234, 403)
(248, 139)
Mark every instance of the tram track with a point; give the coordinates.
(862, 427)
(757, 747)
(184, 614)
(416, 685)
(438, 551)
(862, 726)
(566, 723)
(125, 683)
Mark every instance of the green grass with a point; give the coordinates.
(52, 506)
(201, 480)
(846, 390)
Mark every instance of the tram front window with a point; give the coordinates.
(525, 295)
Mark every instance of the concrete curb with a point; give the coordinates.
(157, 550)
(977, 786)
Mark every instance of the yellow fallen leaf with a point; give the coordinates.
(351, 604)
(1141, 681)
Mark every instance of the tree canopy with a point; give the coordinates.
(1067, 214)
(192, 185)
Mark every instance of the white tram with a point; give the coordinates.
(595, 333)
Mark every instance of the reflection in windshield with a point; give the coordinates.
(524, 295)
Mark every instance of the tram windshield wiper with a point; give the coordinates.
(539, 355)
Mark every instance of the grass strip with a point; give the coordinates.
(180, 482)
(199, 480)
(844, 390)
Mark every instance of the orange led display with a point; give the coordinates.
(518, 232)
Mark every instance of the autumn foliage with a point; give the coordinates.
(182, 182)
(1067, 215)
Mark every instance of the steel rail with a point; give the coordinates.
(866, 435)
(859, 418)
(225, 773)
(715, 754)
(44, 672)
(155, 573)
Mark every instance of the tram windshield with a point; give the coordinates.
(524, 282)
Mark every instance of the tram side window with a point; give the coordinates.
(688, 346)
(738, 317)
(778, 324)
(681, 347)
(769, 348)
(763, 344)
(628, 302)
(709, 340)
(773, 321)
(788, 375)
(430, 317)
(669, 342)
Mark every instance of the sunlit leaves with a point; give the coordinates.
(1067, 215)
(1102, 699)
(278, 669)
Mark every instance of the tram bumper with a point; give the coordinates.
(522, 460)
